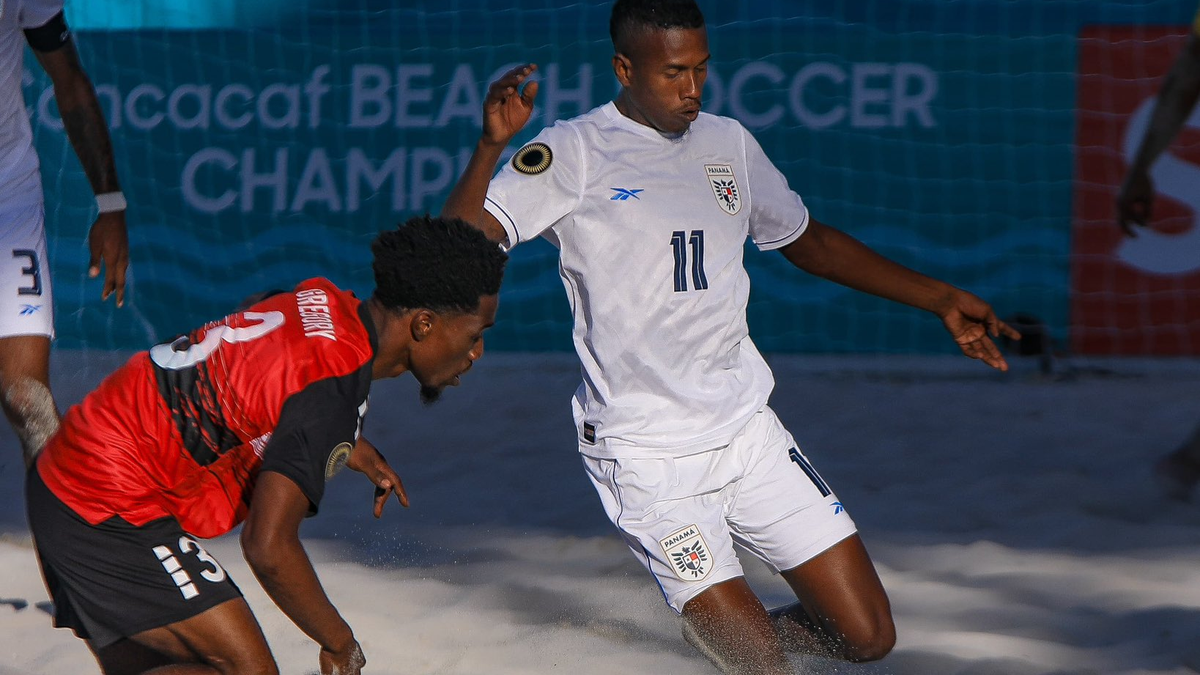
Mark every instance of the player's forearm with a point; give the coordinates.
(86, 128)
(287, 575)
(834, 255)
(467, 197)
(1178, 96)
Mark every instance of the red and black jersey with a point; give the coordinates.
(184, 429)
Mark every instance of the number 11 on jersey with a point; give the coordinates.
(679, 246)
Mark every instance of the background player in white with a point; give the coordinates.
(650, 202)
(1179, 471)
(26, 303)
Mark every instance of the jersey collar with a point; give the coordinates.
(615, 115)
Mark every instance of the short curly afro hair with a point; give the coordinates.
(633, 15)
(442, 264)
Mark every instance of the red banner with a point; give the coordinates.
(1132, 295)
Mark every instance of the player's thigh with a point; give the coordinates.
(729, 624)
(26, 300)
(24, 357)
(841, 588)
(126, 657)
(113, 580)
(671, 514)
(226, 637)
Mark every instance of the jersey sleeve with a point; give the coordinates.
(36, 13)
(777, 214)
(542, 183)
(317, 429)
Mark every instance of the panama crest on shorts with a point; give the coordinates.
(687, 554)
(724, 186)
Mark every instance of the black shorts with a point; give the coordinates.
(114, 580)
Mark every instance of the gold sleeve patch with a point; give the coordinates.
(337, 460)
(533, 159)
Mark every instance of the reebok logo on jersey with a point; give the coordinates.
(687, 553)
(27, 310)
(313, 305)
(623, 194)
(724, 186)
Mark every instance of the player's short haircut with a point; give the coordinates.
(442, 264)
(629, 16)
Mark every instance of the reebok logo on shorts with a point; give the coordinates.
(687, 553)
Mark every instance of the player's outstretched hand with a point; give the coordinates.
(970, 320)
(109, 245)
(366, 459)
(347, 662)
(508, 106)
(1134, 202)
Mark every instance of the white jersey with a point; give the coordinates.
(651, 231)
(20, 183)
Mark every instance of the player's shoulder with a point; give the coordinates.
(561, 142)
(710, 123)
(332, 321)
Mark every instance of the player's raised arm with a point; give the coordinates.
(506, 109)
(831, 254)
(85, 126)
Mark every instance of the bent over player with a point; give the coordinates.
(244, 419)
(650, 202)
(26, 305)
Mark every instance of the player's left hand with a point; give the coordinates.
(508, 104)
(366, 459)
(109, 245)
(970, 320)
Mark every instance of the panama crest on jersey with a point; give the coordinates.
(724, 187)
(687, 554)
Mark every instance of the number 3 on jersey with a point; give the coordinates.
(680, 243)
(182, 353)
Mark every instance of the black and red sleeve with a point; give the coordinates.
(317, 428)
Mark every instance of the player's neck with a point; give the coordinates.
(628, 109)
(389, 353)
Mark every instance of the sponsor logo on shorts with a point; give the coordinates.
(27, 310)
(337, 460)
(838, 508)
(687, 553)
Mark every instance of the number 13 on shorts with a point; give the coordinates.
(179, 575)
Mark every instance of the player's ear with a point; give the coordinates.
(622, 68)
(421, 324)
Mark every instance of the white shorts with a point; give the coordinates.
(681, 516)
(26, 303)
